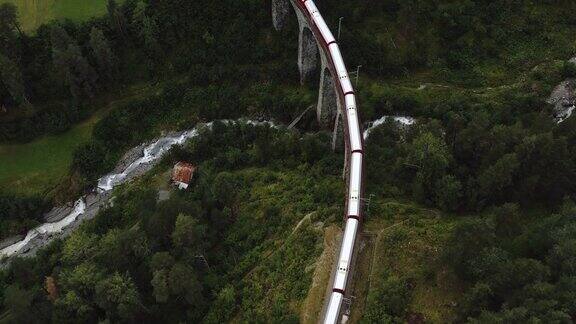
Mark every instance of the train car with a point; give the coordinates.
(319, 22)
(343, 271)
(345, 255)
(354, 132)
(341, 71)
(355, 186)
(333, 310)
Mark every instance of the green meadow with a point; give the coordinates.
(39, 166)
(33, 13)
(35, 167)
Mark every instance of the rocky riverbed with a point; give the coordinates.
(63, 220)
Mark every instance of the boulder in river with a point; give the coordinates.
(58, 213)
(11, 240)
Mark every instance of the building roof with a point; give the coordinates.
(183, 172)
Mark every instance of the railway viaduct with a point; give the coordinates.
(328, 109)
(330, 115)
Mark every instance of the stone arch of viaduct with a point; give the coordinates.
(328, 110)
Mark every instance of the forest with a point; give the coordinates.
(485, 155)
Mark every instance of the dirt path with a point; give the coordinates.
(312, 306)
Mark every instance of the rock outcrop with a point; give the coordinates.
(58, 213)
(563, 98)
(129, 157)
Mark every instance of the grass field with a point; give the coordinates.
(37, 166)
(40, 165)
(33, 13)
(406, 241)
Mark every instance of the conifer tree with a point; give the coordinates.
(9, 30)
(139, 14)
(150, 35)
(102, 53)
(116, 17)
(11, 76)
(74, 70)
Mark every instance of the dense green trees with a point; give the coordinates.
(388, 302)
(511, 279)
(465, 42)
(11, 76)
(18, 213)
(91, 161)
(142, 259)
(103, 55)
(19, 302)
(68, 60)
(116, 17)
(11, 79)
(227, 189)
(9, 30)
(118, 296)
(473, 159)
(187, 258)
(429, 155)
(140, 41)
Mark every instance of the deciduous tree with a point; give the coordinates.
(19, 302)
(429, 155)
(160, 284)
(188, 234)
(118, 296)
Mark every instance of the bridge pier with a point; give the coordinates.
(307, 53)
(307, 47)
(327, 109)
(338, 130)
(280, 13)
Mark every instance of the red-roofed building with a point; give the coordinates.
(182, 174)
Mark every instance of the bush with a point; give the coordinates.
(388, 303)
(91, 160)
(18, 212)
(569, 70)
(467, 240)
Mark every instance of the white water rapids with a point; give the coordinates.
(151, 153)
(46, 228)
(156, 150)
(404, 120)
